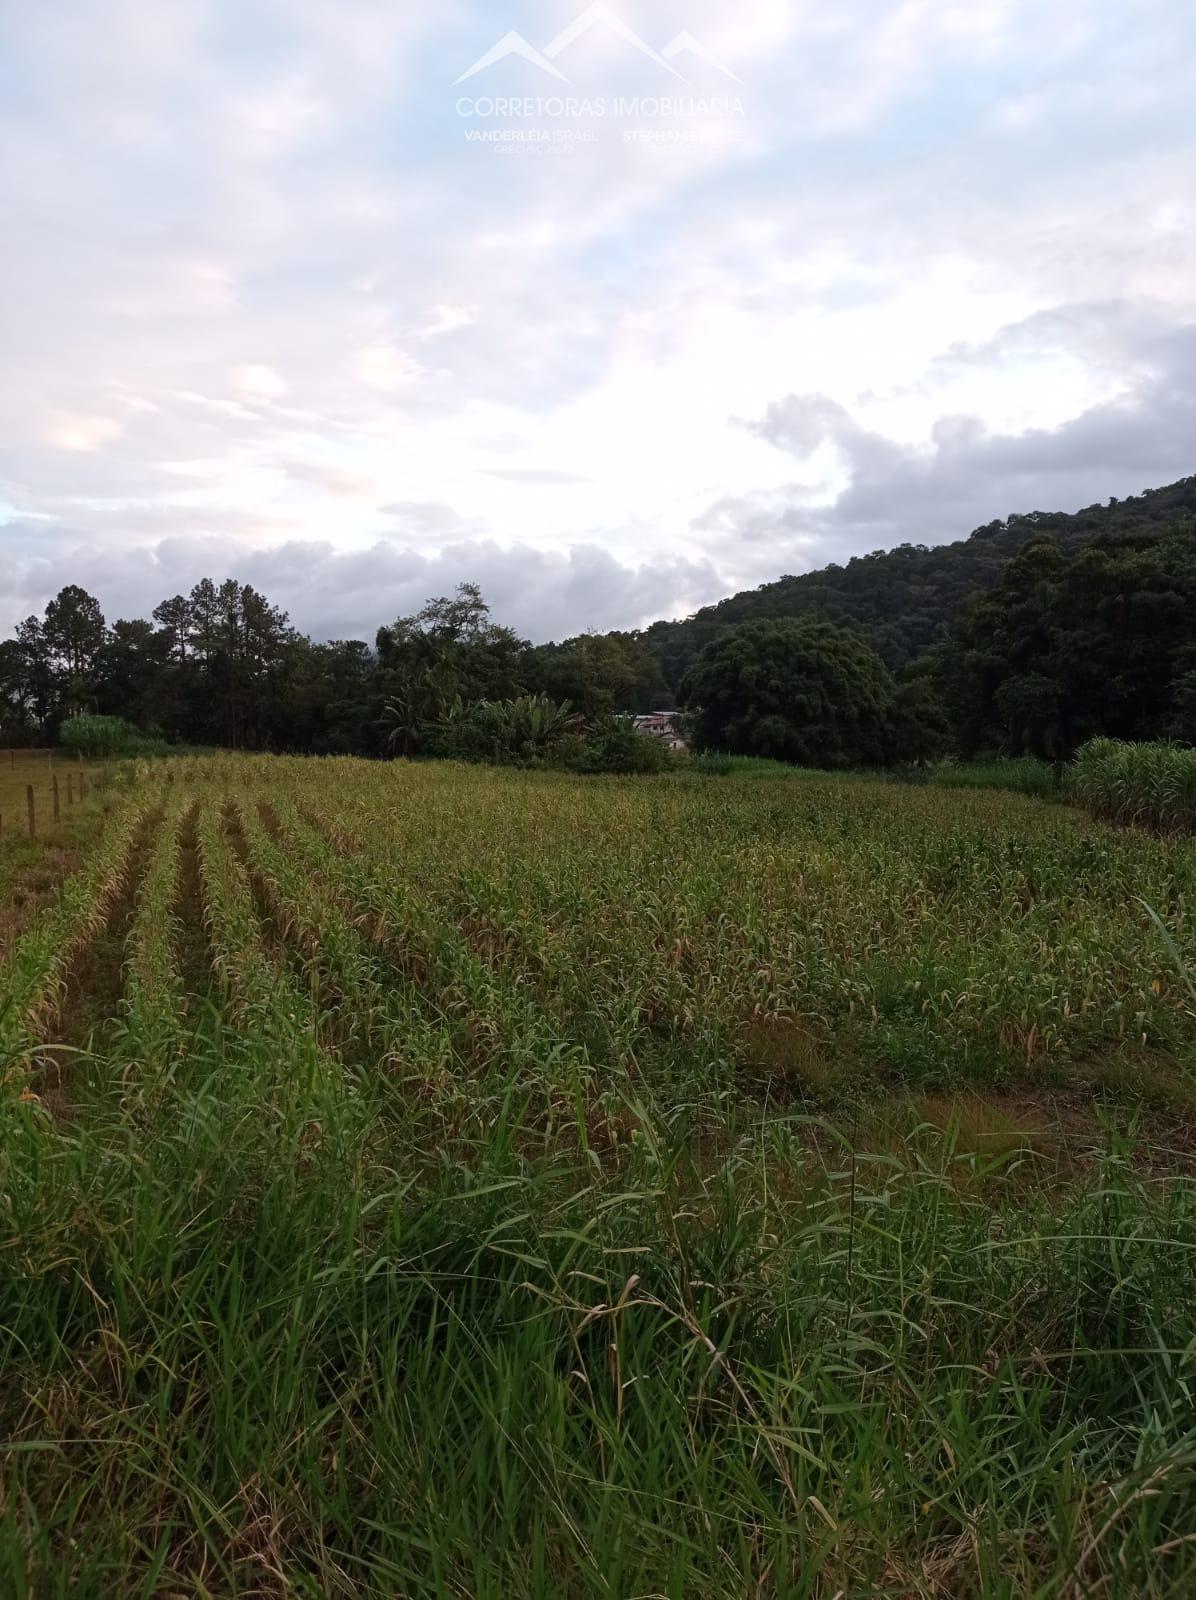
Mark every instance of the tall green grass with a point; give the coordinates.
(1151, 785)
(716, 765)
(97, 738)
(1018, 774)
(250, 1348)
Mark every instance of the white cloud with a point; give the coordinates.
(260, 382)
(386, 366)
(447, 319)
(74, 431)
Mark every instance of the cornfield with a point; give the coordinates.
(418, 1179)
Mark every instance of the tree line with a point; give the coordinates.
(223, 666)
(1071, 640)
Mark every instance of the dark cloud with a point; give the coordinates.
(968, 476)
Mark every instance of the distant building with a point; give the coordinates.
(665, 726)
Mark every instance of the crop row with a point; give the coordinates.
(944, 931)
(34, 974)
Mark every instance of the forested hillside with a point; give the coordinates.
(905, 598)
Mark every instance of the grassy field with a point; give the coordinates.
(418, 1180)
(21, 769)
(31, 869)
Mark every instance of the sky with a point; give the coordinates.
(611, 310)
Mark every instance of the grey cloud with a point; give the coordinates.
(1117, 329)
(968, 476)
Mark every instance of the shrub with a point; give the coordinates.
(534, 731)
(1152, 785)
(107, 738)
(614, 744)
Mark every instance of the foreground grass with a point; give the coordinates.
(250, 1347)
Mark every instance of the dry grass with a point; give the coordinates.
(975, 1126)
(39, 768)
(783, 1056)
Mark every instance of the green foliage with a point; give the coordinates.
(600, 674)
(708, 765)
(1018, 774)
(106, 738)
(1152, 785)
(533, 730)
(446, 656)
(804, 692)
(613, 745)
(522, 731)
(1066, 648)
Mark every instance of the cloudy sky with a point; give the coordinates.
(666, 300)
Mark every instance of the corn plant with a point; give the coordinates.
(35, 971)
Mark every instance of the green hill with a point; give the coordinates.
(905, 598)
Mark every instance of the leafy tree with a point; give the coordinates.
(798, 691)
(1065, 649)
(73, 632)
(175, 618)
(339, 695)
(27, 679)
(130, 672)
(522, 731)
(614, 744)
(602, 674)
(449, 654)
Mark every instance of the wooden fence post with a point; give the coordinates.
(82, 785)
(70, 788)
(29, 806)
(54, 791)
